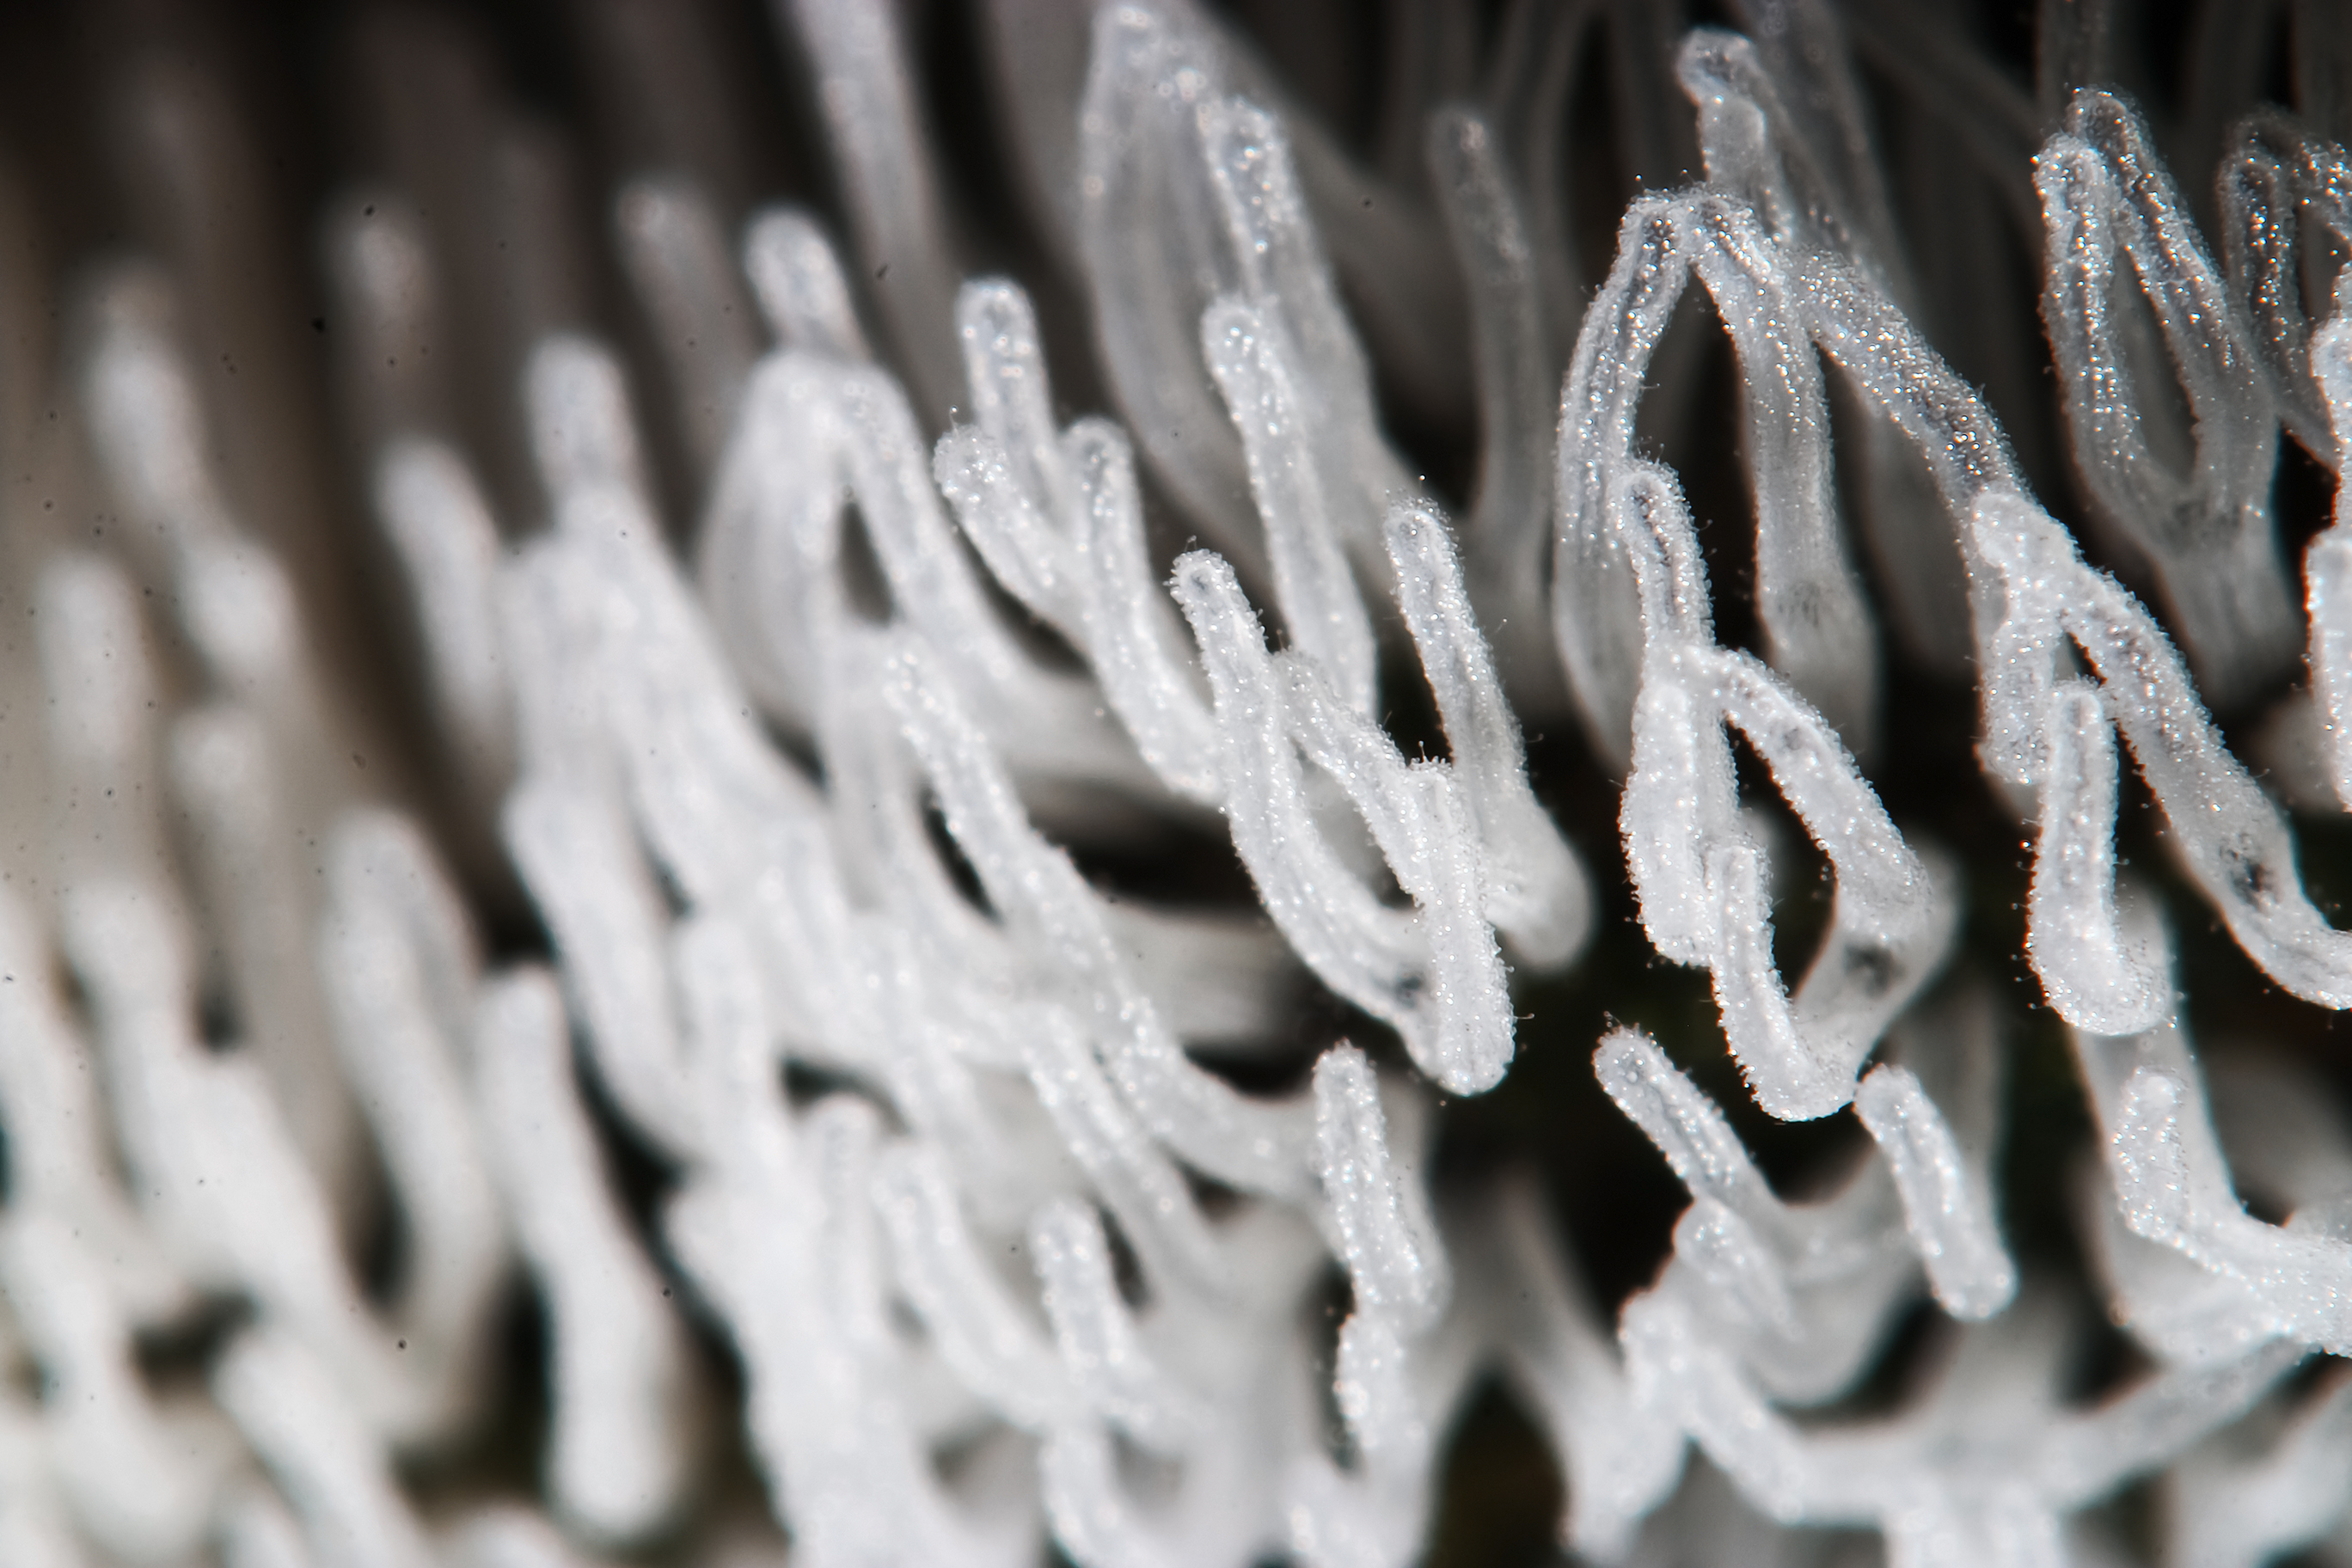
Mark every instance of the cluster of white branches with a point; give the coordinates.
(1019, 1265)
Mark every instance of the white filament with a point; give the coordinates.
(1019, 1265)
(2210, 543)
(622, 1454)
(2095, 981)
